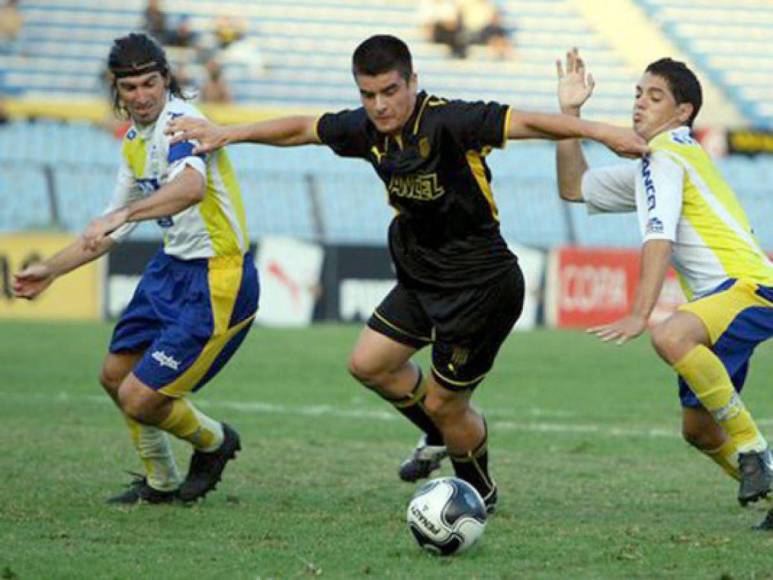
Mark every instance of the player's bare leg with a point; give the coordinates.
(214, 443)
(465, 434)
(701, 431)
(162, 478)
(384, 366)
(683, 341)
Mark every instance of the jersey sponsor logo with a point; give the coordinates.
(420, 186)
(649, 185)
(654, 226)
(149, 186)
(165, 360)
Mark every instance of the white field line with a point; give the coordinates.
(499, 420)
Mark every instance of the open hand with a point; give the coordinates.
(575, 86)
(620, 331)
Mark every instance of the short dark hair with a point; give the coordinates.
(138, 54)
(380, 54)
(683, 83)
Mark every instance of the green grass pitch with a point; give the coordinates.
(594, 479)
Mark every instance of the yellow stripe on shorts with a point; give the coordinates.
(718, 311)
(225, 281)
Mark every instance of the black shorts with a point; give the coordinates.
(466, 327)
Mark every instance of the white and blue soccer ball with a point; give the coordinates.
(446, 516)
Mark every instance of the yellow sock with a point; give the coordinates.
(152, 445)
(708, 379)
(188, 423)
(726, 456)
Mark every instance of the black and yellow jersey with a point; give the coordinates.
(446, 231)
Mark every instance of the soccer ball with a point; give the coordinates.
(446, 516)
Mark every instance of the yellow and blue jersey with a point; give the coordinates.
(214, 227)
(198, 296)
(713, 240)
(679, 195)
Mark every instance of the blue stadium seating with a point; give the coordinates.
(309, 193)
(306, 47)
(731, 44)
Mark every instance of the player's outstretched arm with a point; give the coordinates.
(282, 132)
(624, 142)
(35, 278)
(655, 259)
(186, 189)
(575, 86)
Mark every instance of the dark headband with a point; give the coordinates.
(138, 69)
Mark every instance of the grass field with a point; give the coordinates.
(594, 479)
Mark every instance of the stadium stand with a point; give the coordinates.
(68, 170)
(732, 45)
(306, 45)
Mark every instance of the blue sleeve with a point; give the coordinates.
(181, 150)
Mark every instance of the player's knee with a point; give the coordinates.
(134, 404)
(442, 408)
(667, 342)
(110, 380)
(364, 370)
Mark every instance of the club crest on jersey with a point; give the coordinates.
(418, 186)
(424, 147)
(682, 139)
(654, 226)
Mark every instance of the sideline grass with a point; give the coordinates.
(595, 482)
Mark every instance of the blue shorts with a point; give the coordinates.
(738, 315)
(189, 317)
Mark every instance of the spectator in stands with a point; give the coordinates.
(183, 35)
(441, 23)
(231, 45)
(228, 29)
(11, 23)
(459, 287)
(155, 22)
(5, 116)
(483, 24)
(215, 89)
(689, 217)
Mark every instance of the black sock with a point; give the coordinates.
(472, 467)
(412, 407)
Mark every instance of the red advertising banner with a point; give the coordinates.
(589, 286)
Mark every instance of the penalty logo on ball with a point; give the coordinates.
(446, 516)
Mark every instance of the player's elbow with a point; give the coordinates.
(570, 194)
